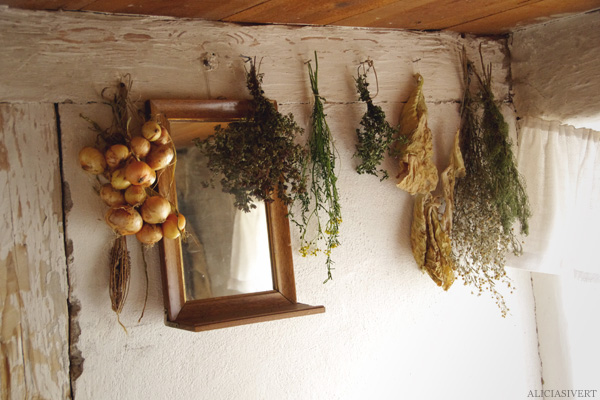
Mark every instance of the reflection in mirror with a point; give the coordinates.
(227, 250)
(235, 268)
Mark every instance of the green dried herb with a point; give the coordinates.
(485, 199)
(376, 136)
(506, 184)
(319, 173)
(257, 156)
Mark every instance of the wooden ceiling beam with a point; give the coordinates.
(311, 12)
(213, 10)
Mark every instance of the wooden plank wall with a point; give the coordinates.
(34, 360)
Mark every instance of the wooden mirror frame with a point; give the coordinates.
(221, 312)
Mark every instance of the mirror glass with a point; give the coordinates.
(227, 250)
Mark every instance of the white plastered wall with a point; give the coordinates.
(389, 332)
(556, 75)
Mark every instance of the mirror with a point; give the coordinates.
(234, 267)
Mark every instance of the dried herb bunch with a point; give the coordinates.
(319, 174)
(484, 198)
(257, 156)
(376, 137)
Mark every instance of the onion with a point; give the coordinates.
(135, 195)
(118, 179)
(124, 220)
(116, 154)
(173, 226)
(112, 196)
(155, 210)
(151, 131)
(139, 173)
(160, 156)
(151, 180)
(149, 234)
(92, 160)
(140, 146)
(164, 136)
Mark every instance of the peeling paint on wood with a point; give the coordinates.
(33, 286)
(97, 49)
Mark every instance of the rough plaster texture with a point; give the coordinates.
(555, 70)
(556, 74)
(388, 332)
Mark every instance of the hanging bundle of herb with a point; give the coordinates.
(376, 137)
(319, 173)
(257, 156)
(484, 199)
(506, 184)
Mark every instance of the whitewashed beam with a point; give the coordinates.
(34, 360)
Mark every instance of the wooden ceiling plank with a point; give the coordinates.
(430, 15)
(213, 10)
(52, 5)
(529, 14)
(317, 12)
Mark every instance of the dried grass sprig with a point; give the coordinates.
(320, 178)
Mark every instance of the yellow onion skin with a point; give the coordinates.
(151, 131)
(92, 160)
(139, 173)
(116, 154)
(149, 234)
(118, 179)
(124, 220)
(111, 196)
(155, 210)
(140, 146)
(164, 137)
(151, 180)
(160, 156)
(135, 195)
(170, 229)
(174, 226)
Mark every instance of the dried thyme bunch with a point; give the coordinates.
(319, 173)
(257, 156)
(376, 136)
(482, 234)
(506, 184)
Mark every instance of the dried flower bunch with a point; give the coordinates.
(376, 137)
(257, 156)
(492, 195)
(321, 180)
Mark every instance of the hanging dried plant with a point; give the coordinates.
(257, 156)
(321, 180)
(491, 196)
(431, 229)
(119, 270)
(418, 173)
(376, 137)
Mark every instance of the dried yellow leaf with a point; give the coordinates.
(418, 173)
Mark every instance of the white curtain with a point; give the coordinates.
(250, 255)
(561, 166)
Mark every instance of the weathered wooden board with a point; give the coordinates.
(34, 361)
(170, 57)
